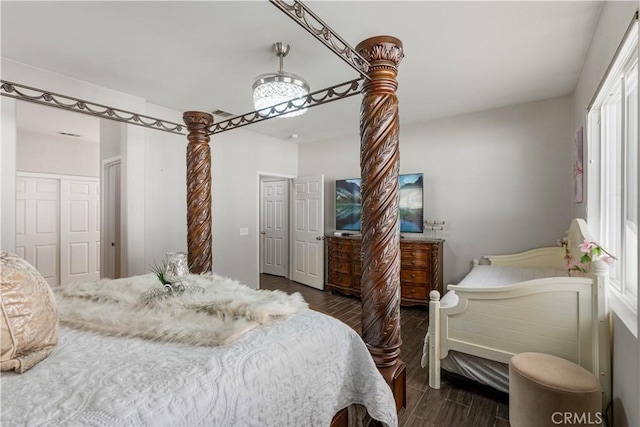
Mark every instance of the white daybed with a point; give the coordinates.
(521, 302)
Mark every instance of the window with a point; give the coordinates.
(612, 124)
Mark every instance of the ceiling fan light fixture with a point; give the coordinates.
(275, 88)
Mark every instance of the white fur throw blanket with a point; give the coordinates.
(220, 315)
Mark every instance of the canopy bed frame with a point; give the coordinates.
(376, 59)
(379, 168)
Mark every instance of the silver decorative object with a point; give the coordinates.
(433, 226)
(176, 270)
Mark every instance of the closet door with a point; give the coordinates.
(80, 230)
(37, 224)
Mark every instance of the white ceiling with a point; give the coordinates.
(204, 55)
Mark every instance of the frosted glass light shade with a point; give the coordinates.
(275, 88)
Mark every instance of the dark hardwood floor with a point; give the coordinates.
(458, 403)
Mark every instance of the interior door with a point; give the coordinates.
(275, 225)
(37, 225)
(111, 247)
(80, 230)
(308, 231)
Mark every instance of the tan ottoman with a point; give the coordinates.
(546, 390)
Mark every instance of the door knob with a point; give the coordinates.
(263, 232)
(320, 238)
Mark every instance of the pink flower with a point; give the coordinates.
(586, 246)
(608, 259)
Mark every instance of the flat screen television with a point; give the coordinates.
(349, 204)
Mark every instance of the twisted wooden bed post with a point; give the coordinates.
(380, 166)
(199, 238)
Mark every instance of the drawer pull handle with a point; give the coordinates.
(413, 275)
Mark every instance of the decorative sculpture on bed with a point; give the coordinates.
(171, 273)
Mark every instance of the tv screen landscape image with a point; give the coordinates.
(349, 204)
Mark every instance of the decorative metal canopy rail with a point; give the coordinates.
(314, 99)
(297, 11)
(40, 96)
(300, 13)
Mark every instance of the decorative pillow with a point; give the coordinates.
(29, 318)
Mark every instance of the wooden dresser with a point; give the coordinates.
(420, 270)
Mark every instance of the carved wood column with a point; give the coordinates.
(199, 237)
(379, 167)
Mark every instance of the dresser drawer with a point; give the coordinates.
(340, 278)
(414, 292)
(357, 279)
(357, 268)
(413, 276)
(340, 253)
(340, 265)
(340, 246)
(356, 252)
(415, 252)
(422, 263)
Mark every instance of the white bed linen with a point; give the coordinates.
(298, 372)
(484, 371)
(483, 276)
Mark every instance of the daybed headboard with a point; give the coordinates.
(552, 257)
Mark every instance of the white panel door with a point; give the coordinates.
(111, 245)
(37, 225)
(275, 226)
(308, 231)
(80, 230)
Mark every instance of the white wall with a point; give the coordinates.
(238, 158)
(56, 154)
(501, 179)
(110, 135)
(165, 189)
(612, 24)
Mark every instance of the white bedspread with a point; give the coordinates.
(298, 372)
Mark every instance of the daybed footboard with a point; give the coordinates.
(552, 315)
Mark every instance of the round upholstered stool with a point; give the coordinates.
(546, 390)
